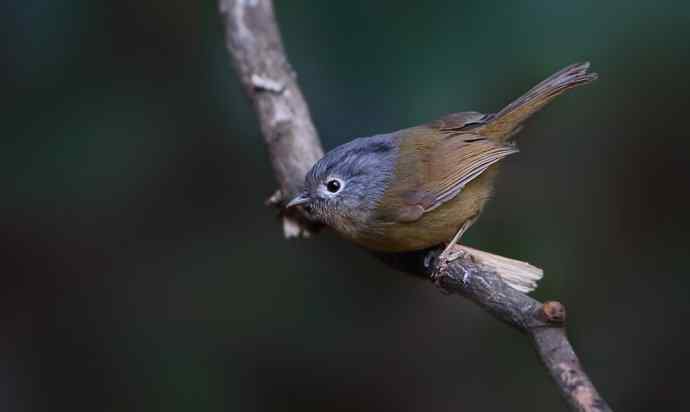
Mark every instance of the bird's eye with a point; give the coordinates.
(333, 186)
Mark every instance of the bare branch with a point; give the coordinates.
(544, 323)
(254, 42)
(253, 39)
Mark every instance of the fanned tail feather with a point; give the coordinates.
(502, 125)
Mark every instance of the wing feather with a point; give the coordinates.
(452, 171)
(435, 163)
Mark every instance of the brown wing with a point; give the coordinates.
(454, 122)
(436, 161)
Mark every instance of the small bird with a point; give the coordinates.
(422, 186)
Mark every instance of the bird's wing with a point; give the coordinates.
(462, 121)
(436, 162)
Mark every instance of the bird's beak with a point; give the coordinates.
(300, 199)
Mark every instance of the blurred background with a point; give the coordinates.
(142, 272)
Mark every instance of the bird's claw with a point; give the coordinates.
(449, 254)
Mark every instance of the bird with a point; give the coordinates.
(422, 186)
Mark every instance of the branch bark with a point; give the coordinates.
(254, 42)
(543, 322)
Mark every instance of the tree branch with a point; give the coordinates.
(544, 323)
(254, 42)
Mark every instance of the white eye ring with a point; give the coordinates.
(332, 186)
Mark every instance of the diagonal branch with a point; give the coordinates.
(544, 323)
(254, 42)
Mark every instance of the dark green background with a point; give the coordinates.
(141, 271)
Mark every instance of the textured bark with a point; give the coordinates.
(253, 39)
(544, 323)
(254, 43)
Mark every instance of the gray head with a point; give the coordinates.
(344, 187)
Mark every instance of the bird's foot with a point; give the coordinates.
(450, 253)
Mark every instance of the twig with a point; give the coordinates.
(254, 42)
(253, 39)
(544, 323)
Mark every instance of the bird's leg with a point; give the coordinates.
(450, 253)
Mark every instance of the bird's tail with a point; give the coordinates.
(504, 124)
